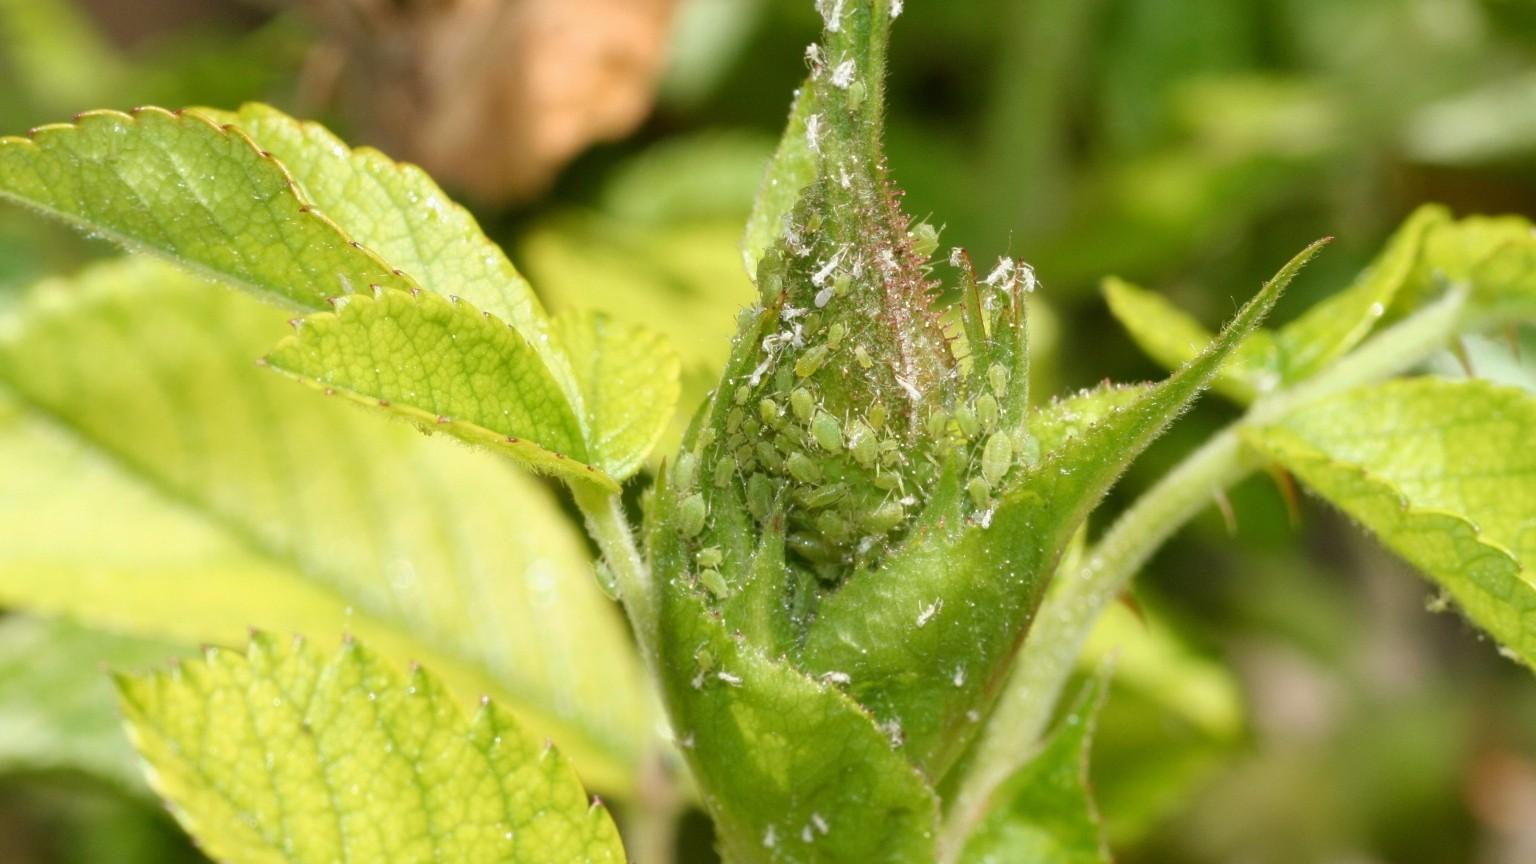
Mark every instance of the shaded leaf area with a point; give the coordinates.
(1044, 813)
(1441, 472)
(57, 710)
(285, 754)
(286, 210)
(1273, 359)
(218, 497)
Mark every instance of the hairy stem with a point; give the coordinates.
(1078, 598)
(607, 524)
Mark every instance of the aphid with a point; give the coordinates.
(823, 496)
(768, 410)
(987, 411)
(712, 580)
(827, 432)
(725, 469)
(925, 240)
(861, 356)
(835, 335)
(760, 497)
(802, 403)
(770, 458)
(876, 415)
(803, 468)
(862, 444)
(996, 458)
(980, 491)
(691, 515)
(710, 557)
(686, 472)
(938, 424)
(884, 517)
(810, 361)
(965, 418)
(743, 393)
(997, 377)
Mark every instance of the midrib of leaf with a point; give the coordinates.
(463, 673)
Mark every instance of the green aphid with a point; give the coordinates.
(980, 492)
(987, 412)
(810, 547)
(802, 403)
(884, 517)
(938, 424)
(1028, 447)
(889, 481)
(863, 444)
(760, 497)
(691, 515)
(823, 496)
(769, 457)
(861, 356)
(925, 239)
(996, 457)
(834, 526)
(783, 379)
(803, 468)
(840, 284)
(827, 432)
(811, 361)
(997, 378)
(706, 438)
(686, 472)
(857, 93)
(768, 410)
(965, 418)
(710, 557)
(725, 469)
(835, 335)
(733, 420)
(743, 393)
(715, 583)
(876, 415)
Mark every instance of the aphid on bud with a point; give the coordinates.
(827, 432)
(712, 580)
(743, 393)
(965, 418)
(888, 482)
(884, 517)
(802, 403)
(996, 457)
(691, 515)
(769, 456)
(863, 444)
(811, 361)
(980, 492)
(861, 356)
(835, 335)
(1028, 447)
(710, 557)
(925, 240)
(997, 378)
(725, 468)
(987, 411)
(833, 526)
(733, 420)
(686, 473)
(760, 497)
(824, 496)
(768, 410)
(803, 468)
(938, 424)
(876, 415)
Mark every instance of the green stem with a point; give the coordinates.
(1076, 601)
(609, 526)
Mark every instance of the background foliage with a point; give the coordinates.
(1283, 695)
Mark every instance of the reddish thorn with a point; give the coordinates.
(511, 439)
(330, 391)
(383, 403)
(441, 420)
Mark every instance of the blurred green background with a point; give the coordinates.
(1292, 698)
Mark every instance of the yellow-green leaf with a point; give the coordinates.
(1442, 472)
(219, 497)
(629, 380)
(283, 755)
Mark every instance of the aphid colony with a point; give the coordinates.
(849, 398)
